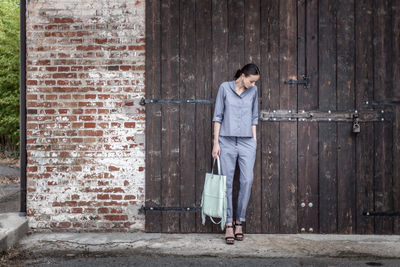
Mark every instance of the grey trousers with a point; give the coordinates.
(242, 149)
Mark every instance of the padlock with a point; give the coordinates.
(356, 127)
(356, 124)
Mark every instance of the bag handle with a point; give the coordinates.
(218, 164)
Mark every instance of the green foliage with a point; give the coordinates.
(9, 74)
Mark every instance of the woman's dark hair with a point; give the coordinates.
(249, 69)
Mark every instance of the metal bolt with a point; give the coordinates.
(310, 230)
(310, 204)
(303, 204)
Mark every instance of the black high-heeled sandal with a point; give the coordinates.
(230, 240)
(239, 236)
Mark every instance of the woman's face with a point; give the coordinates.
(250, 80)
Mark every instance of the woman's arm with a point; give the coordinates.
(255, 115)
(216, 149)
(254, 131)
(217, 127)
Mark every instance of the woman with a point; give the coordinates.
(235, 119)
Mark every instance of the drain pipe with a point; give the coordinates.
(22, 105)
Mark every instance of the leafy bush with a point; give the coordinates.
(9, 75)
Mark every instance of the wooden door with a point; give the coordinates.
(311, 175)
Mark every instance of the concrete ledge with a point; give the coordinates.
(12, 228)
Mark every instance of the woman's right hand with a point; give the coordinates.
(216, 150)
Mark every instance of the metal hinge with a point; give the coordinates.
(144, 101)
(146, 208)
(316, 115)
(382, 103)
(377, 213)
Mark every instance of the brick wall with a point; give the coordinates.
(85, 128)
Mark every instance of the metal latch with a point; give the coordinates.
(305, 81)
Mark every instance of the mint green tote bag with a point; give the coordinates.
(213, 199)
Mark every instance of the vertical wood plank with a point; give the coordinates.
(396, 96)
(383, 130)
(235, 35)
(365, 139)
(153, 116)
(345, 101)
(204, 88)
(170, 113)
(396, 168)
(327, 130)
(288, 130)
(395, 15)
(252, 54)
(307, 26)
(187, 114)
(220, 44)
(235, 61)
(269, 136)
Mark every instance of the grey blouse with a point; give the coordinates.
(236, 113)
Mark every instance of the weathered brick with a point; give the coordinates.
(116, 217)
(81, 71)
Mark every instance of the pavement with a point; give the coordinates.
(9, 198)
(9, 189)
(8, 171)
(213, 245)
(160, 249)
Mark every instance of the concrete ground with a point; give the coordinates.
(8, 171)
(9, 189)
(254, 245)
(9, 198)
(173, 261)
(85, 249)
